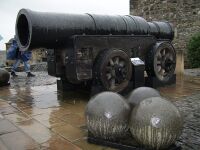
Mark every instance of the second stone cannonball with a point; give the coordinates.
(4, 77)
(140, 94)
(155, 123)
(107, 116)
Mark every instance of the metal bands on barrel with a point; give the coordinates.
(43, 29)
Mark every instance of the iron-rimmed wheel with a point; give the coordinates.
(161, 61)
(113, 69)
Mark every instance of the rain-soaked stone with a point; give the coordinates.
(190, 108)
(18, 141)
(107, 116)
(17, 117)
(6, 127)
(69, 132)
(74, 119)
(140, 94)
(156, 123)
(58, 143)
(3, 146)
(4, 77)
(39, 99)
(35, 130)
(8, 110)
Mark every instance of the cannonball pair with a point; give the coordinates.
(154, 122)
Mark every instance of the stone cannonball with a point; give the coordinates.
(107, 116)
(155, 123)
(140, 94)
(4, 77)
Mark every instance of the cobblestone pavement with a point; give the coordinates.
(190, 108)
(34, 115)
(192, 72)
(186, 96)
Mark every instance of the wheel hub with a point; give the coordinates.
(168, 64)
(116, 73)
(164, 63)
(119, 74)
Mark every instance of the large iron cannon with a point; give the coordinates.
(89, 47)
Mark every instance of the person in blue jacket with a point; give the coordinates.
(21, 56)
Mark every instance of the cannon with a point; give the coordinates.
(89, 47)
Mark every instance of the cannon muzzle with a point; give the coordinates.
(51, 30)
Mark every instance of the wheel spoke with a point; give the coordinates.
(161, 77)
(117, 60)
(159, 56)
(158, 63)
(109, 76)
(163, 52)
(171, 57)
(167, 55)
(159, 68)
(162, 71)
(111, 62)
(113, 73)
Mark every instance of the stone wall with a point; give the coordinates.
(2, 58)
(184, 14)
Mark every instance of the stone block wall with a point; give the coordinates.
(2, 58)
(184, 14)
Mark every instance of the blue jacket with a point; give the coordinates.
(14, 53)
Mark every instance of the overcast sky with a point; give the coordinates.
(10, 8)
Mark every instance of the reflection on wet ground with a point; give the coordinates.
(185, 86)
(34, 115)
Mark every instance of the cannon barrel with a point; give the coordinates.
(50, 30)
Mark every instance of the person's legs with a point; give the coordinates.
(27, 69)
(26, 66)
(14, 67)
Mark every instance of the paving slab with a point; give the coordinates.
(17, 117)
(35, 130)
(8, 110)
(6, 127)
(58, 143)
(18, 141)
(69, 132)
(74, 119)
(3, 103)
(48, 120)
(3, 146)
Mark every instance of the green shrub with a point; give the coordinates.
(193, 53)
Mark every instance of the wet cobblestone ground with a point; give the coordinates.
(33, 115)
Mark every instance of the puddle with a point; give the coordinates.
(185, 86)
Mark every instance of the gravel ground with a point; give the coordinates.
(190, 108)
(192, 72)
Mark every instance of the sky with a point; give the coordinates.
(10, 8)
